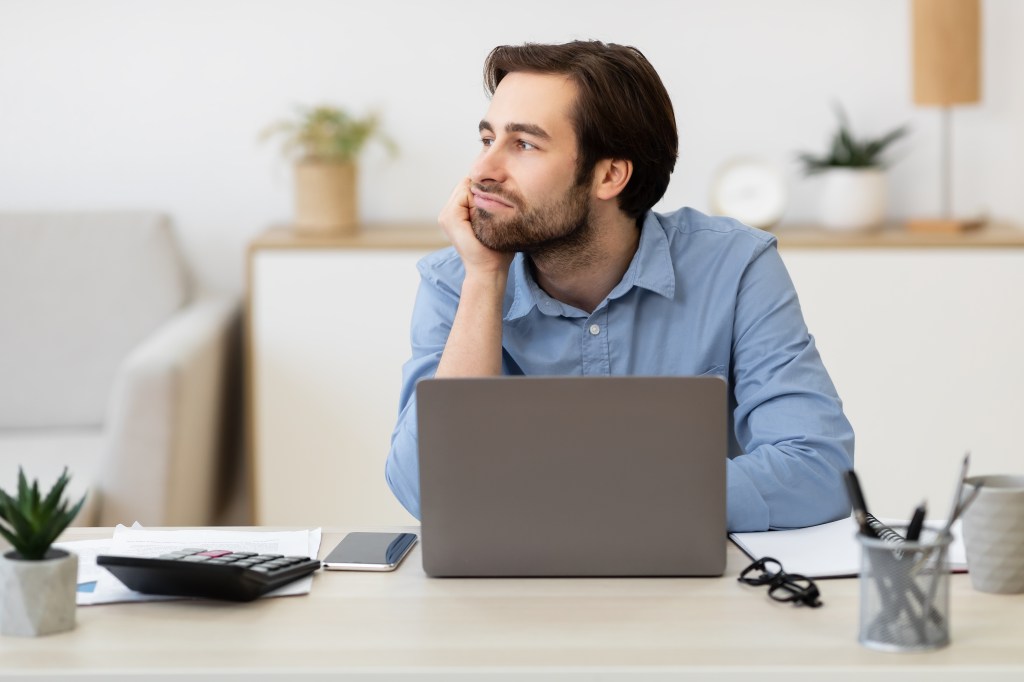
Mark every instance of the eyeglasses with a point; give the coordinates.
(782, 586)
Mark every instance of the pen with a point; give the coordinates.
(967, 501)
(860, 511)
(916, 523)
(957, 507)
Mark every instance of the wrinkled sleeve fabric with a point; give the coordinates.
(788, 419)
(433, 313)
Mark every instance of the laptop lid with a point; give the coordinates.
(573, 476)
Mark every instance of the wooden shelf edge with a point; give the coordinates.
(371, 236)
(995, 235)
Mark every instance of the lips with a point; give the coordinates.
(488, 201)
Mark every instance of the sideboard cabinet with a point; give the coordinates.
(923, 337)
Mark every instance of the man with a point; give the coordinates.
(559, 267)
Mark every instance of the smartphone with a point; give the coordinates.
(370, 552)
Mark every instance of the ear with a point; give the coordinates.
(611, 177)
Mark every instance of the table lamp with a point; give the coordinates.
(947, 71)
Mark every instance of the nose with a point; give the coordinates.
(489, 166)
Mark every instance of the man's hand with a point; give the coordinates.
(454, 220)
(473, 348)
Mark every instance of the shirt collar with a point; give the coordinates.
(651, 269)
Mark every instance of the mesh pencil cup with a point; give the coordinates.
(904, 593)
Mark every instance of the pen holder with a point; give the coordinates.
(904, 593)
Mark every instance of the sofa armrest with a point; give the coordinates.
(166, 419)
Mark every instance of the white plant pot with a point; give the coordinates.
(38, 597)
(852, 198)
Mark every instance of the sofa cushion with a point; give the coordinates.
(77, 292)
(43, 454)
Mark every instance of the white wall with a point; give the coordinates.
(108, 103)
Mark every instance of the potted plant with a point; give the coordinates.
(37, 582)
(853, 196)
(325, 142)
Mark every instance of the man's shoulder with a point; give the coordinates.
(443, 267)
(686, 225)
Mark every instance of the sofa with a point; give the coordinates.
(111, 366)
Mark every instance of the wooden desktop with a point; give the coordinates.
(393, 625)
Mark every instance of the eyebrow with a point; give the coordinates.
(528, 128)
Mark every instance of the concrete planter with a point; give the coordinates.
(37, 597)
(325, 198)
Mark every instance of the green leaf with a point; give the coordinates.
(11, 538)
(846, 151)
(326, 133)
(23, 493)
(56, 492)
(32, 523)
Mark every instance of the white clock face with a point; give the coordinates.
(750, 191)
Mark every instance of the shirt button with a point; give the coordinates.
(595, 329)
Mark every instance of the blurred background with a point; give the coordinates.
(157, 106)
(159, 103)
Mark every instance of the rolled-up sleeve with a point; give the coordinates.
(795, 440)
(432, 318)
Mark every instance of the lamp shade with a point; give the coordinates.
(947, 51)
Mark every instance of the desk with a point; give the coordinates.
(394, 625)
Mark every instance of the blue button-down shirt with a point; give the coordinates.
(702, 295)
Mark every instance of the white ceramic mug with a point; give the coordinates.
(994, 534)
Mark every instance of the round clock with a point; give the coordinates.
(751, 191)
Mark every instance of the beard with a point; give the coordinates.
(559, 229)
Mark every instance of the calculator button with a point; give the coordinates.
(195, 557)
(269, 556)
(172, 555)
(213, 553)
(261, 569)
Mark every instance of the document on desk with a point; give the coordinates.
(830, 550)
(138, 541)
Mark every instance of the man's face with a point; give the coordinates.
(525, 195)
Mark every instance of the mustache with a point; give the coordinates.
(511, 197)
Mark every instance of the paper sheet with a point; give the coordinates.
(830, 550)
(138, 541)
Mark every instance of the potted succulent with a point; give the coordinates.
(853, 196)
(325, 143)
(37, 581)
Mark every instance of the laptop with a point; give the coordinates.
(573, 476)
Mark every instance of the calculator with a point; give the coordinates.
(210, 573)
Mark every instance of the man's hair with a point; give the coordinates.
(622, 110)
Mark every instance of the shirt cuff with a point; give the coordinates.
(746, 510)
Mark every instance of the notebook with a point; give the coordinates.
(573, 476)
(830, 550)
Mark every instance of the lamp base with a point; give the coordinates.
(943, 225)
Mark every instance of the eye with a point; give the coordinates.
(526, 146)
(487, 141)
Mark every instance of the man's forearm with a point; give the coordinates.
(473, 348)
